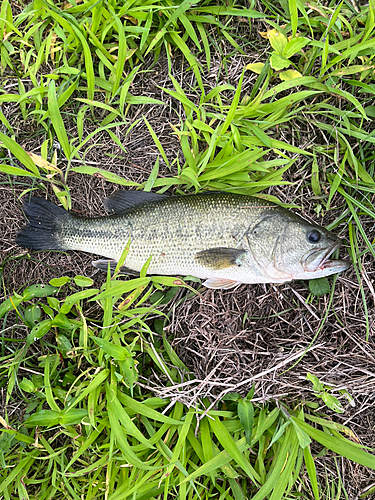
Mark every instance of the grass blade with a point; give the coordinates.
(57, 121)
(231, 447)
(19, 153)
(342, 446)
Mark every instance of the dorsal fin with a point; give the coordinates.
(122, 200)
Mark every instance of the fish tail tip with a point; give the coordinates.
(42, 225)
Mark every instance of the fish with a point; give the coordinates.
(224, 238)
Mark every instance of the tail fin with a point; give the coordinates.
(42, 230)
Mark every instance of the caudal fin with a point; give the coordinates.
(43, 224)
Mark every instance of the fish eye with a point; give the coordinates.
(313, 236)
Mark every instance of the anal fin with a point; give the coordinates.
(221, 283)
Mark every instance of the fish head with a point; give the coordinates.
(288, 247)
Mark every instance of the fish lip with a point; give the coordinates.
(336, 265)
(322, 262)
(325, 262)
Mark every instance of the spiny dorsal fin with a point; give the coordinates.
(220, 257)
(122, 200)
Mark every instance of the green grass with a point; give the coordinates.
(98, 432)
(89, 429)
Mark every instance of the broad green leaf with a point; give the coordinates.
(59, 281)
(83, 281)
(89, 65)
(315, 177)
(64, 345)
(277, 40)
(153, 176)
(284, 102)
(128, 369)
(47, 418)
(258, 132)
(190, 30)
(332, 402)
(206, 44)
(319, 286)
(38, 331)
(72, 417)
(303, 438)
(146, 31)
(350, 70)
(230, 11)
(279, 62)
(32, 314)
(255, 67)
(9, 305)
(180, 95)
(308, 81)
(290, 74)
(100, 105)
(370, 111)
(294, 45)
(63, 322)
(47, 386)
(117, 352)
(122, 258)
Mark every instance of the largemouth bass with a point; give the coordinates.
(224, 238)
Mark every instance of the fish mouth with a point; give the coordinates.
(318, 260)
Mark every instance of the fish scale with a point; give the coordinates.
(223, 237)
(187, 228)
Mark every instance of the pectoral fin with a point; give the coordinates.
(220, 257)
(220, 283)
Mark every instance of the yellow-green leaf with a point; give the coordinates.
(290, 74)
(277, 41)
(256, 67)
